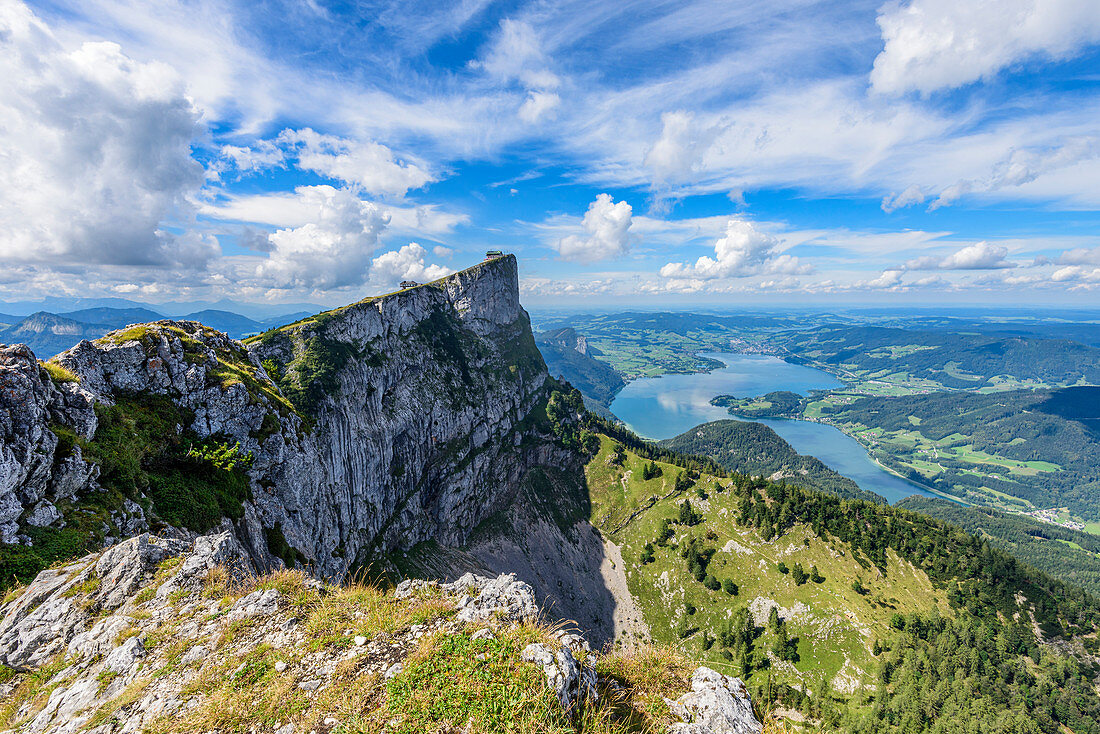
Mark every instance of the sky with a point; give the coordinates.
(628, 153)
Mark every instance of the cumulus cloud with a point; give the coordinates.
(941, 44)
(96, 153)
(888, 279)
(679, 152)
(743, 251)
(1076, 274)
(606, 225)
(1080, 256)
(255, 240)
(407, 263)
(370, 166)
(333, 250)
(979, 256)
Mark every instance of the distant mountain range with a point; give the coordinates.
(49, 333)
(172, 309)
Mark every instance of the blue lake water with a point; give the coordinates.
(666, 406)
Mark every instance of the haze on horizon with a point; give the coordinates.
(714, 152)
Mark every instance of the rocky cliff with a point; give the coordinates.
(400, 419)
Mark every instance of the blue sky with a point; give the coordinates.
(635, 153)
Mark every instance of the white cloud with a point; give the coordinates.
(96, 153)
(744, 250)
(911, 195)
(978, 256)
(367, 164)
(260, 156)
(606, 226)
(538, 104)
(1080, 256)
(333, 250)
(516, 55)
(291, 209)
(1022, 166)
(1076, 273)
(888, 279)
(941, 44)
(371, 166)
(680, 150)
(407, 263)
(441, 251)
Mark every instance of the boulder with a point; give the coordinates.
(717, 704)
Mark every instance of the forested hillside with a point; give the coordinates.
(1070, 555)
(861, 616)
(756, 450)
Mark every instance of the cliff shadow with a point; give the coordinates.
(545, 538)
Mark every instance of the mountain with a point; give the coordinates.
(407, 403)
(113, 318)
(61, 305)
(855, 616)
(235, 325)
(965, 361)
(49, 333)
(569, 357)
(418, 437)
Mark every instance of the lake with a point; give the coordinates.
(666, 406)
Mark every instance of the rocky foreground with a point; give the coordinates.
(165, 635)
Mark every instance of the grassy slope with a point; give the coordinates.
(841, 624)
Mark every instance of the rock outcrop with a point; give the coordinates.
(395, 420)
(158, 632)
(717, 704)
(34, 475)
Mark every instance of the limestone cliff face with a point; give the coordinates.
(424, 424)
(374, 427)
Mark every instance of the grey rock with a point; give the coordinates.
(259, 603)
(198, 653)
(716, 704)
(100, 638)
(43, 514)
(124, 657)
(30, 403)
(128, 566)
(572, 682)
(503, 599)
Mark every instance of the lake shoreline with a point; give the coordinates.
(662, 407)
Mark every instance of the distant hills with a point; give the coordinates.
(49, 333)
